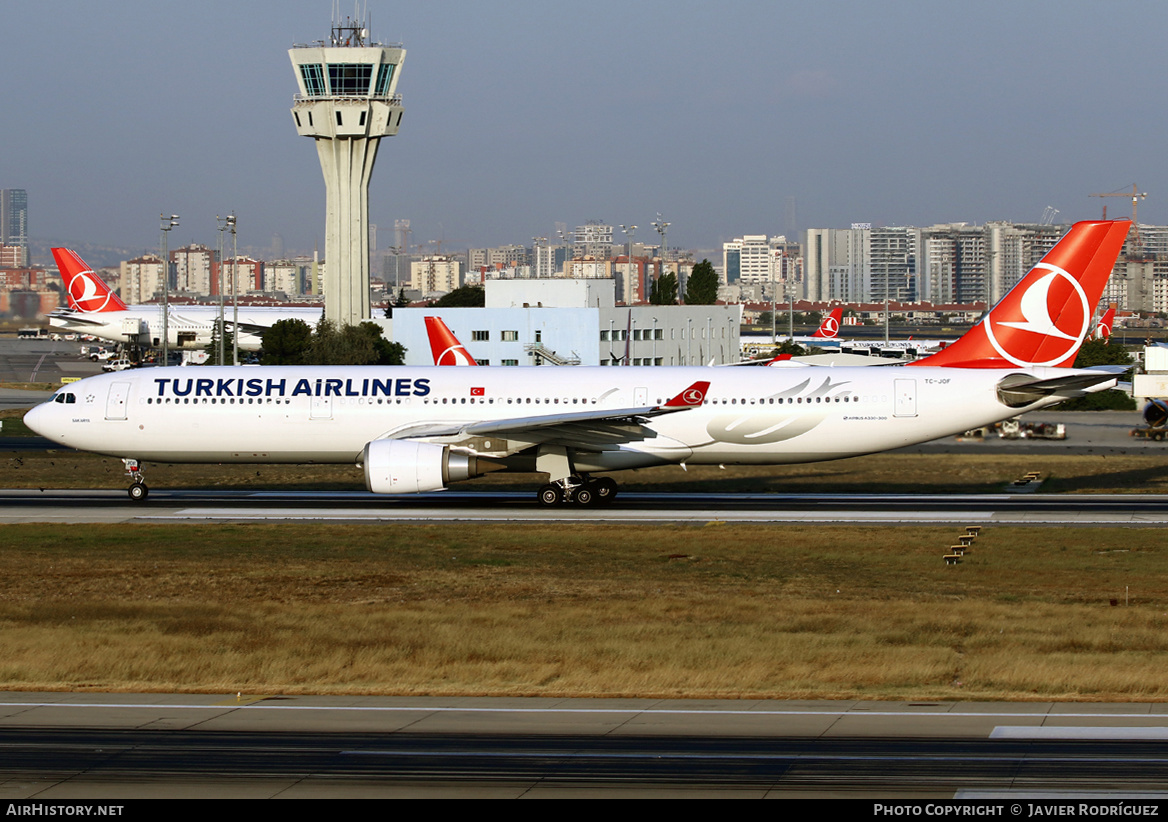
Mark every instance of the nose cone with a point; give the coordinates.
(38, 419)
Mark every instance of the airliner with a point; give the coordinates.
(95, 309)
(421, 429)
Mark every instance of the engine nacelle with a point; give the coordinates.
(1156, 413)
(410, 467)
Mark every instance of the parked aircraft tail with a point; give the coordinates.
(829, 328)
(1105, 324)
(444, 346)
(1044, 319)
(85, 291)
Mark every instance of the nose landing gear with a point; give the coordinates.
(138, 490)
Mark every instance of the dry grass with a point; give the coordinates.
(749, 611)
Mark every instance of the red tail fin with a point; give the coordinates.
(445, 347)
(1103, 327)
(1044, 319)
(829, 328)
(84, 290)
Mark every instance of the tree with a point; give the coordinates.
(786, 347)
(400, 301)
(664, 290)
(388, 352)
(468, 296)
(1098, 352)
(285, 343)
(212, 347)
(361, 344)
(702, 286)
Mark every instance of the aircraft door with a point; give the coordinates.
(640, 397)
(322, 408)
(115, 406)
(906, 398)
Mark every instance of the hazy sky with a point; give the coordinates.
(519, 114)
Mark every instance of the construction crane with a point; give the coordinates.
(1136, 195)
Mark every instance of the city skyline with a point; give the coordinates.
(517, 116)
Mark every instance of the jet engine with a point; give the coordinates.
(409, 467)
(1156, 413)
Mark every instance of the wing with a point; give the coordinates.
(591, 428)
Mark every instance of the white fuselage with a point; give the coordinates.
(300, 414)
(188, 326)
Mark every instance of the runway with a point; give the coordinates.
(164, 506)
(101, 746)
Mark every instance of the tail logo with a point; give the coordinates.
(1034, 309)
(693, 396)
(454, 355)
(85, 293)
(830, 327)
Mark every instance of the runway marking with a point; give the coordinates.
(1076, 732)
(568, 515)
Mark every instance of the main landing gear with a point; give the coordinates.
(578, 489)
(137, 490)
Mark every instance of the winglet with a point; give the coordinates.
(444, 346)
(84, 290)
(690, 397)
(1044, 319)
(829, 328)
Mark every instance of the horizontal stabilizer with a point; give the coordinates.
(1018, 390)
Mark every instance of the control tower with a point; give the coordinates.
(347, 103)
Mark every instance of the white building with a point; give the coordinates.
(435, 275)
(564, 321)
(141, 279)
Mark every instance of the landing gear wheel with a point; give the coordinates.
(605, 490)
(551, 494)
(138, 492)
(585, 496)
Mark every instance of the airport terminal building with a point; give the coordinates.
(575, 322)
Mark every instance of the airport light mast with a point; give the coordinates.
(347, 103)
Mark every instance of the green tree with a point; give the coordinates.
(785, 347)
(212, 347)
(702, 286)
(388, 351)
(664, 290)
(468, 296)
(285, 343)
(361, 344)
(1099, 352)
(400, 301)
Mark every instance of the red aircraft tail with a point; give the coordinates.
(1103, 327)
(85, 291)
(1044, 319)
(445, 347)
(829, 328)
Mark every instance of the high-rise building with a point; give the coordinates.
(193, 269)
(14, 220)
(347, 103)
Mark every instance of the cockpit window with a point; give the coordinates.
(66, 398)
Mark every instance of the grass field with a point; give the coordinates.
(715, 611)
